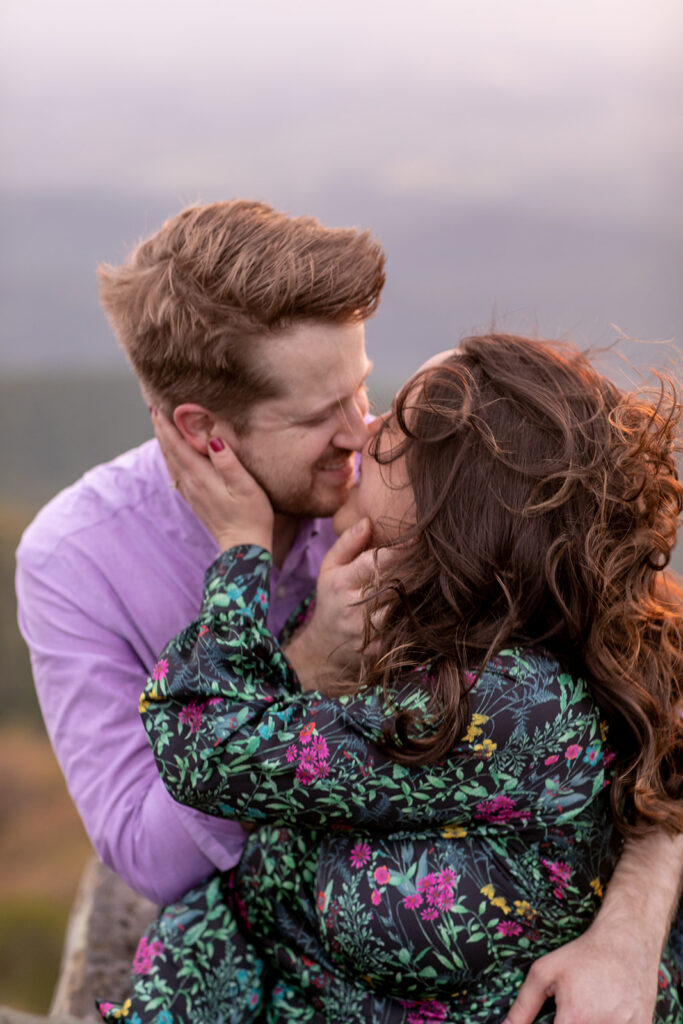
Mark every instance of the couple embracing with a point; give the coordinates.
(389, 775)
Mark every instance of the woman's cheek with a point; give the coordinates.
(348, 514)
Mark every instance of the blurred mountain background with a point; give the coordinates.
(522, 165)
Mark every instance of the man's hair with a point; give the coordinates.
(547, 503)
(191, 305)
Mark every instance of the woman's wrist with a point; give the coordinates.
(232, 539)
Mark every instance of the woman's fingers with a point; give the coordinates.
(231, 471)
(220, 491)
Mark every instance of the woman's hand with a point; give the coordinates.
(219, 490)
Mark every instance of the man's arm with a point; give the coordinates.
(89, 680)
(609, 973)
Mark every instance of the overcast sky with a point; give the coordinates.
(542, 109)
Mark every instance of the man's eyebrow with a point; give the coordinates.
(313, 414)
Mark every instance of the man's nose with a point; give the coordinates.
(353, 430)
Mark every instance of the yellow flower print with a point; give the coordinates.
(495, 901)
(596, 886)
(473, 729)
(123, 1012)
(524, 908)
(146, 700)
(485, 749)
(604, 729)
(453, 832)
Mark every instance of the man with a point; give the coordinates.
(243, 323)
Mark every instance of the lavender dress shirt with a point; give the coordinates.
(107, 573)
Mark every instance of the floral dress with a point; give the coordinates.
(368, 891)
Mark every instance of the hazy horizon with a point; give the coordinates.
(520, 164)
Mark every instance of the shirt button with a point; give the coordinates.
(281, 590)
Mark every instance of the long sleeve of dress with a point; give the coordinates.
(234, 735)
(374, 891)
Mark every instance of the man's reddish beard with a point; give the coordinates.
(302, 502)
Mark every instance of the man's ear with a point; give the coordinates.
(198, 425)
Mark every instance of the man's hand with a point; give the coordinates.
(609, 974)
(596, 979)
(327, 649)
(220, 491)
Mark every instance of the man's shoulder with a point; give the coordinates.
(125, 484)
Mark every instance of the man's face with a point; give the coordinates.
(300, 447)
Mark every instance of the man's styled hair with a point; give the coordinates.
(191, 304)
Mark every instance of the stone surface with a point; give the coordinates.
(8, 1016)
(104, 929)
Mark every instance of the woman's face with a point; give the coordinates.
(381, 492)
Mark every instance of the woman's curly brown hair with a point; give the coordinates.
(547, 506)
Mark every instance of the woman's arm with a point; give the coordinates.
(610, 972)
(234, 735)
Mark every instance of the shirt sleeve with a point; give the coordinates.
(234, 735)
(88, 680)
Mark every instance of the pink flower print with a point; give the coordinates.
(359, 855)
(312, 759)
(382, 875)
(509, 928)
(444, 898)
(376, 897)
(305, 774)
(291, 753)
(438, 891)
(160, 670)
(497, 811)
(559, 873)
(320, 748)
(144, 955)
(572, 752)
(426, 883)
(412, 901)
(552, 759)
(426, 1011)
(192, 715)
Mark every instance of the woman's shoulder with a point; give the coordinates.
(531, 669)
(526, 689)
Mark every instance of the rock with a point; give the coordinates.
(106, 923)
(8, 1016)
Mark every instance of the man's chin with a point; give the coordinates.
(312, 506)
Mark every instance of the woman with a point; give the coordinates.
(428, 830)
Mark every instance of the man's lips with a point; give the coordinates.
(339, 468)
